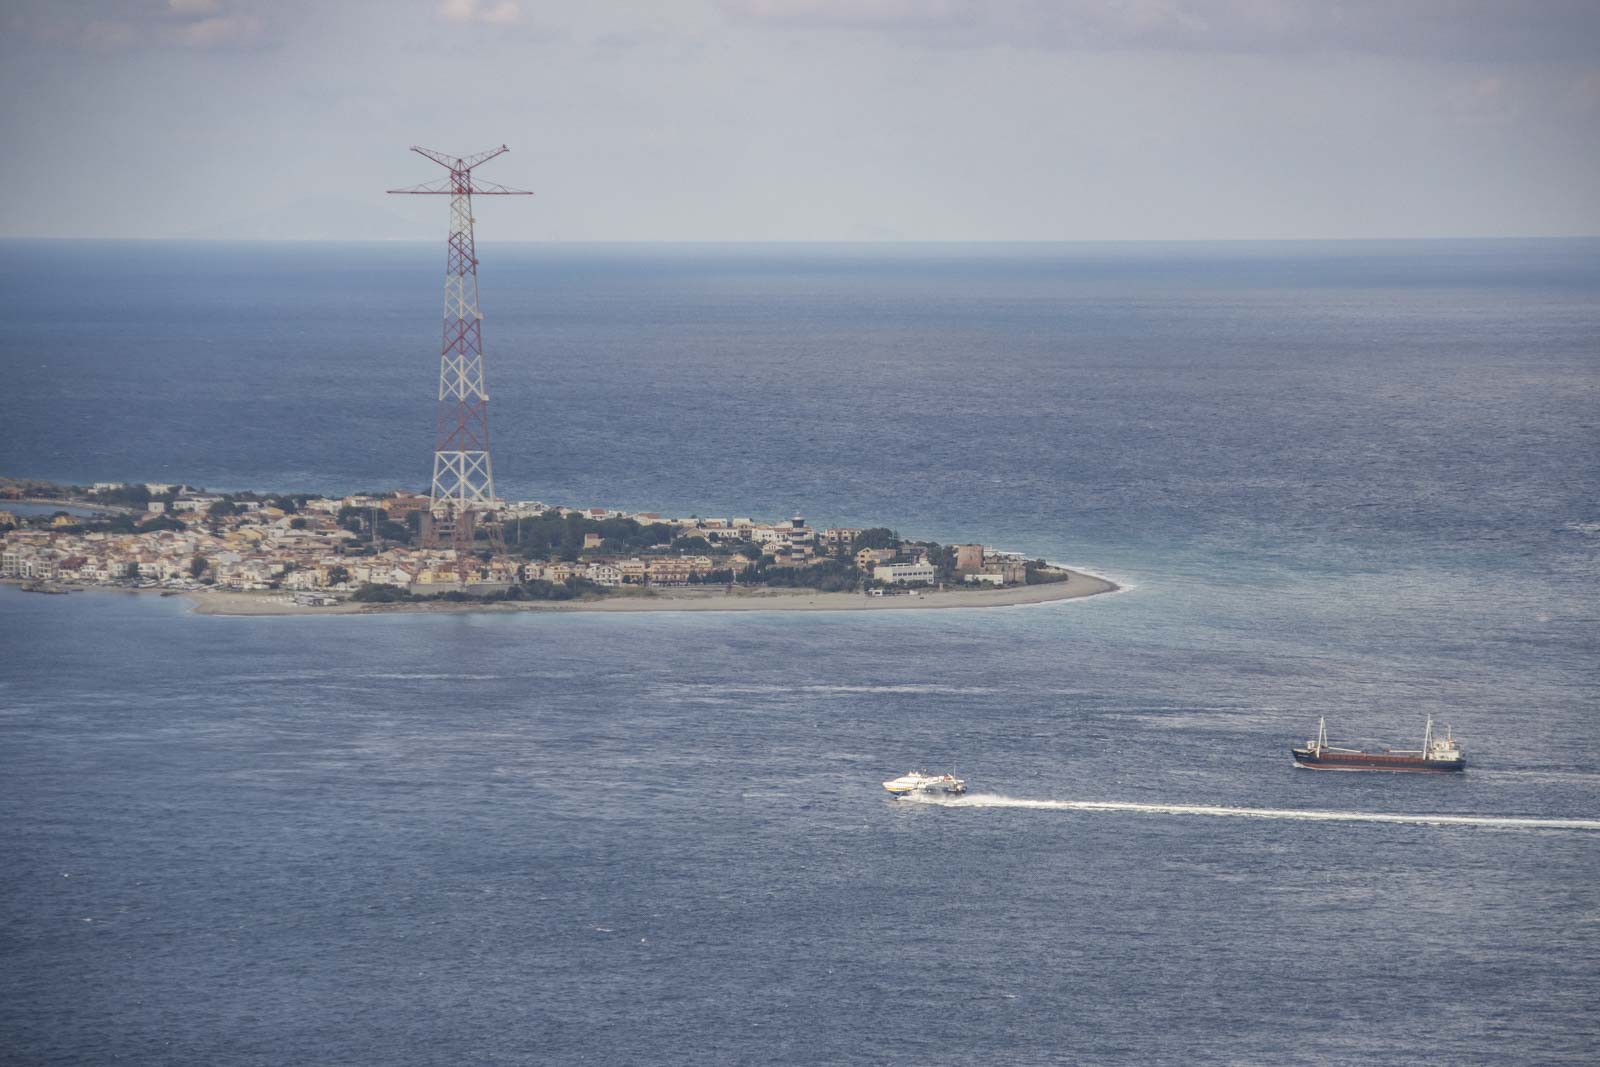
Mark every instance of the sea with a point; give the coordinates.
(1352, 480)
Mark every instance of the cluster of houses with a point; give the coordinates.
(254, 545)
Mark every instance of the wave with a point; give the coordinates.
(908, 687)
(1123, 583)
(1509, 822)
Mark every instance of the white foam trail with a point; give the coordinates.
(790, 690)
(995, 800)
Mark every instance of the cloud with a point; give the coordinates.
(503, 13)
(1452, 29)
(854, 14)
(101, 26)
(224, 31)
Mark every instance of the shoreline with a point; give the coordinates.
(258, 605)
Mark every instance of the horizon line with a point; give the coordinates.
(800, 241)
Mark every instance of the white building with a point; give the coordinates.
(905, 573)
(604, 574)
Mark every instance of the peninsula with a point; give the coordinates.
(250, 553)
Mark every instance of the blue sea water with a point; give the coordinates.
(1359, 480)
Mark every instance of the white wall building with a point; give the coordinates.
(604, 574)
(905, 573)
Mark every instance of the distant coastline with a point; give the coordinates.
(1078, 586)
(369, 553)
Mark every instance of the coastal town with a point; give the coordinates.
(368, 548)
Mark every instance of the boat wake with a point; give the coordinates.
(1507, 822)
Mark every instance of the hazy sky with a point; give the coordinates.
(806, 119)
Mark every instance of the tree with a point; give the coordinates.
(197, 566)
(161, 522)
(380, 594)
(338, 575)
(833, 576)
(352, 518)
(297, 523)
(943, 558)
(222, 507)
(130, 496)
(877, 537)
(394, 531)
(1038, 572)
(694, 543)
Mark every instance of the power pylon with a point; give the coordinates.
(463, 480)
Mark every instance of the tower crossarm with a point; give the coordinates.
(447, 187)
(460, 180)
(459, 162)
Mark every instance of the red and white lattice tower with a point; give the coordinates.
(463, 482)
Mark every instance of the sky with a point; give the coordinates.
(800, 120)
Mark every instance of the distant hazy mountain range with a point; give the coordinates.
(325, 218)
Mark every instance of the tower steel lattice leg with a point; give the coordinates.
(463, 477)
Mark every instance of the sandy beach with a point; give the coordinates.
(216, 602)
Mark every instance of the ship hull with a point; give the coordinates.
(1373, 761)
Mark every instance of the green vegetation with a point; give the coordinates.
(1038, 573)
(693, 545)
(291, 504)
(354, 519)
(571, 589)
(553, 534)
(830, 576)
(381, 594)
(943, 558)
(128, 496)
(390, 530)
(369, 522)
(877, 537)
(162, 522)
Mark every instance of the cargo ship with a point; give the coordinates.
(1436, 754)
